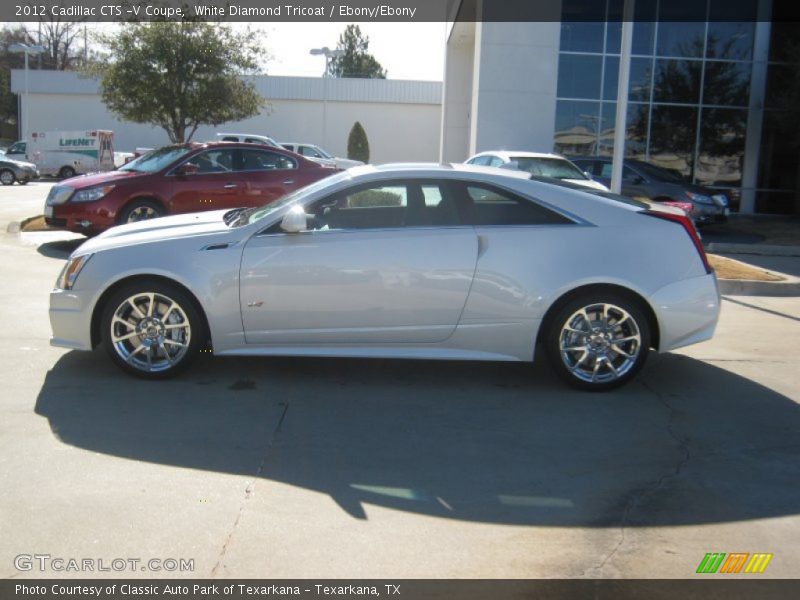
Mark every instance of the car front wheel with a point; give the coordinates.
(152, 329)
(7, 177)
(598, 341)
(141, 210)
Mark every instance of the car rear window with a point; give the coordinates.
(487, 205)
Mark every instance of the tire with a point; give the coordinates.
(66, 172)
(584, 352)
(140, 210)
(157, 342)
(7, 177)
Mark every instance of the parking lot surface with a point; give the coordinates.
(369, 468)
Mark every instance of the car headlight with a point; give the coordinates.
(91, 194)
(699, 198)
(70, 272)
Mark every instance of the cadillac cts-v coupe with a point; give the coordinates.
(398, 261)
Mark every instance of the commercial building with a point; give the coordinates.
(401, 118)
(706, 87)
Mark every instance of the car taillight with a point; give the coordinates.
(687, 225)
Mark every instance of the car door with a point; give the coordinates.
(215, 185)
(267, 175)
(383, 263)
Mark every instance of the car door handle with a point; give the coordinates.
(288, 181)
(229, 186)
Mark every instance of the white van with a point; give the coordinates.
(67, 153)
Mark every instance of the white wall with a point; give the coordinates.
(402, 118)
(514, 93)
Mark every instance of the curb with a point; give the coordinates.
(760, 249)
(749, 287)
(18, 226)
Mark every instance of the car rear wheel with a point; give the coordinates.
(7, 177)
(141, 210)
(66, 172)
(152, 329)
(598, 341)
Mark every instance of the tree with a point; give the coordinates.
(180, 75)
(356, 60)
(357, 144)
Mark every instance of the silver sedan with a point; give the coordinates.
(398, 261)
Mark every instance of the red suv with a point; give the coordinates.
(179, 179)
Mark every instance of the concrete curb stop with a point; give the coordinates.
(759, 249)
(749, 287)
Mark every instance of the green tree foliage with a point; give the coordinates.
(357, 144)
(180, 75)
(356, 60)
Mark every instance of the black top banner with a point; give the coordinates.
(390, 10)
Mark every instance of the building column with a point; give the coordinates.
(755, 115)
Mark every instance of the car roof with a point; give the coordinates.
(507, 154)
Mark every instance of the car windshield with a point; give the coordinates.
(155, 160)
(557, 168)
(660, 174)
(251, 215)
(322, 152)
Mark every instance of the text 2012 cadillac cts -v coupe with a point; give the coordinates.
(404, 261)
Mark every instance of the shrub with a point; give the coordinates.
(357, 144)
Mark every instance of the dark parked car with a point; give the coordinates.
(12, 170)
(643, 180)
(179, 179)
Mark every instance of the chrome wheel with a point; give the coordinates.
(7, 177)
(150, 332)
(140, 213)
(600, 343)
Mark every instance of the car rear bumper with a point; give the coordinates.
(70, 320)
(687, 311)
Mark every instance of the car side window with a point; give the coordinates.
(482, 161)
(17, 148)
(230, 138)
(606, 172)
(487, 205)
(439, 206)
(309, 151)
(495, 161)
(261, 160)
(629, 175)
(218, 160)
(372, 207)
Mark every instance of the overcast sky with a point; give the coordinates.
(406, 50)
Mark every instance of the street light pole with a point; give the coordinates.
(328, 54)
(26, 50)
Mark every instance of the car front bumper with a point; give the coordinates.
(71, 319)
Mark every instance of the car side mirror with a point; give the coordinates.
(588, 175)
(295, 220)
(187, 169)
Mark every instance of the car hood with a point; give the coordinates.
(86, 181)
(18, 163)
(192, 225)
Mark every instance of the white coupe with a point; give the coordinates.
(398, 261)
